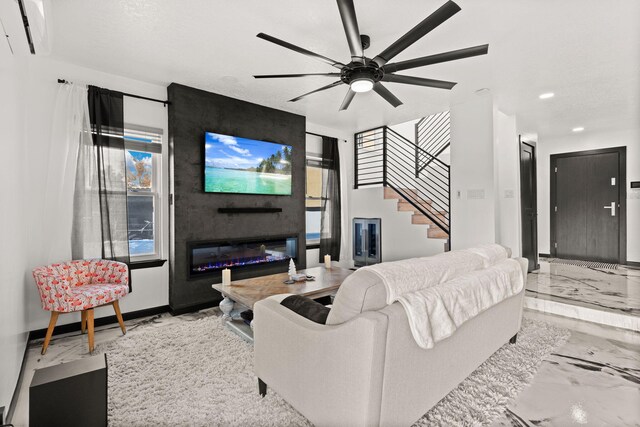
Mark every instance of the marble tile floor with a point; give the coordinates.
(72, 346)
(594, 379)
(610, 297)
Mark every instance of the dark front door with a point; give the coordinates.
(528, 200)
(587, 210)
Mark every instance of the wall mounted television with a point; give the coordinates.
(246, 166)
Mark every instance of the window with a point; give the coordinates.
(143, 151)
(313, 199)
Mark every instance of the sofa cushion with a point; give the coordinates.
(361, 291)
(307, 308)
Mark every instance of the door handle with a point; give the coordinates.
(612, 207)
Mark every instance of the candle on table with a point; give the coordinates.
(327, 261)
(226, 276)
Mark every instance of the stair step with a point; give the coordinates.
(436, 233)
(420, 219)
(390, 193)
(406, 207)
(403, 205)
(433, 232)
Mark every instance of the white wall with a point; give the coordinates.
(586, 140)
(507, 182)
(13, 193)
(407, 129)
(472, 172)
(400, 238)
(150, 286)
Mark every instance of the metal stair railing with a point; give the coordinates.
(383, 157)
(433, 136)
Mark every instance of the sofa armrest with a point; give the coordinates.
(306, 363)
(524, 266)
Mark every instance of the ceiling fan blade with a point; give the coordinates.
(386, 94)
(334, 84)
(437, 58)
(282, 76)
(350, 23)
(420, 81)
(347, 100)
(445, 12)
(300, 50)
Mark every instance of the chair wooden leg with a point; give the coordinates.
(52, 325)
(90, 328)
(83, 321)
(116, 308)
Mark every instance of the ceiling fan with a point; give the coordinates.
(363, 74)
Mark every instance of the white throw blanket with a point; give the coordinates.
(491, 254)
(436, 312)
(410, 275)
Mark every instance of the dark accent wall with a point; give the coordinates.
(195, 216)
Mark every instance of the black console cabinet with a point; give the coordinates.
(70, 394)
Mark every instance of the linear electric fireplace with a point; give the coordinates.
(211, 257)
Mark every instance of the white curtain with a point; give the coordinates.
(86, 238)
(346, 182)
(70, 121)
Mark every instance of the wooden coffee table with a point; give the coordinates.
(249, 291)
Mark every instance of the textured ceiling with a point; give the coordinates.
(585, 51)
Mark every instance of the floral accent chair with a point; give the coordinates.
(81, 285)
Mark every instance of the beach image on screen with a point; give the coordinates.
(240, 165)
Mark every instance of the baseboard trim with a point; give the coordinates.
(632, 264)
(101, 321)
(544, 255)
(191, 308)
(16, 390)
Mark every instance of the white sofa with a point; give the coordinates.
(364, 368)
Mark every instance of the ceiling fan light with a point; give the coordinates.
(361, 85)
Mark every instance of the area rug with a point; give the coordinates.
(198, 373)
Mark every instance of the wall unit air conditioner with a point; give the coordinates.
(25, 27)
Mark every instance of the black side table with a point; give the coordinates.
(70, 394)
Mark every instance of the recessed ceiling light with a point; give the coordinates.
(546, 95)
(578, 129)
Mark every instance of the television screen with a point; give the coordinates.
(246, 166)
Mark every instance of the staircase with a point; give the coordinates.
(433, 232)
(415, 177)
